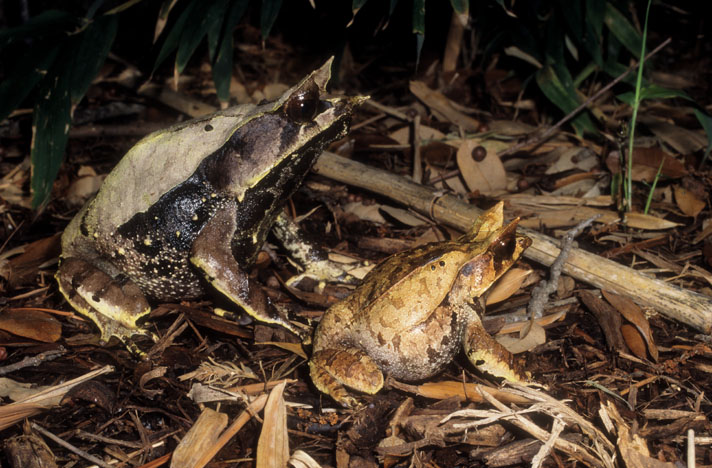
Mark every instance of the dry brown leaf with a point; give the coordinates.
(32, 324)
(402, 135)
(203, 434)
(469, 391)
(273, 445)
(408, 218)
(301, 459)
(507, 285)
(23, 268)
(556, 218)
(486, 176)
(646, 162)
(634, 340)
(632, 313)
(295, 348)
(439, 103)
(682, 140)
(687, 201)
(515, 345)
(369, 212)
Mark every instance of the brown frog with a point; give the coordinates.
(415, 310)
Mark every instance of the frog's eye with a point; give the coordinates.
(303, 106)
(504, 247)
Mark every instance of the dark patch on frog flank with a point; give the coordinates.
(381, 340)
(434, 355)
(396, 342)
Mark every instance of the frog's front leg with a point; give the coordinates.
(113, 303)
(311, 257)
(485, 353)
(212, 255)
(332, 369)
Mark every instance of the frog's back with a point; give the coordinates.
(157, 164)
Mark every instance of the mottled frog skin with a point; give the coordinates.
(188, 208)
(415, 311)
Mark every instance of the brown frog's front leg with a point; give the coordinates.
(486, 354)
(113, 303)
(483, 351)
(212, 255)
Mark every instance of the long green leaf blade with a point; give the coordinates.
(26, 74)
(268, 15)
(94, 45)
(50, 130)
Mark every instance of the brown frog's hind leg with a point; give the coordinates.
(112, 303)
(354, 368)
(212, 254)
(485, 353)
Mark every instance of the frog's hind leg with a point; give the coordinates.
(332, 369)
(114, 304)
(212, 254)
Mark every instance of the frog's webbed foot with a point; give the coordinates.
(333, 369)
(212, 254)
(311, 257)
(114, 304)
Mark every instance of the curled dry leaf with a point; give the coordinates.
(688, 202)
(632, 313)
(486, 175)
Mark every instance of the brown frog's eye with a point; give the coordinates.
(504, 247)
(303, 106)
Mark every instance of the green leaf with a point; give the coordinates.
(392, 7)
(461, 7)
(50, 130)
(171, 42)
(268, 15)
(222, 68)
(593, 29)
(65, 84)
(621, 28)
(653, 92)
(47, 23)
(706, 122)
(419, 17)
(563, 97)
(25, 75)
(215, 19)
(356, 5)
(193, 32)
(88, 57)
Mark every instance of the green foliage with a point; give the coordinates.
(66, 54)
